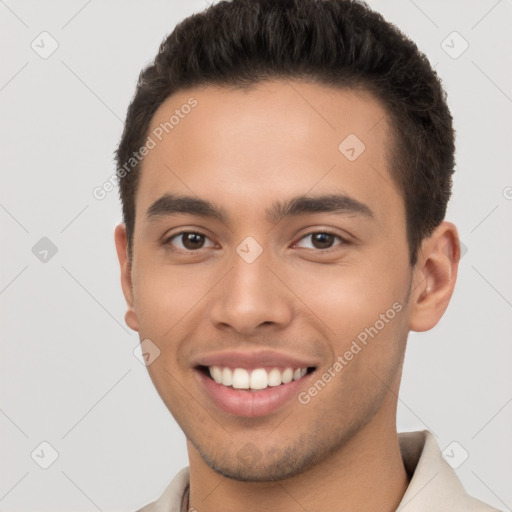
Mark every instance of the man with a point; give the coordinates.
(284, 173)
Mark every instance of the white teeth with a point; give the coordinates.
(287, 376)
(227, 377)
(216, 374)
(240, 378)
(274, 377)
(259, 379)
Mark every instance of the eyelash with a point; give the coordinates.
(167, 242)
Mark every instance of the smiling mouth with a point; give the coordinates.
(256, 379)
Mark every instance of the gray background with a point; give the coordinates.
(68, 372)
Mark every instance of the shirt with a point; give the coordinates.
(434, 486)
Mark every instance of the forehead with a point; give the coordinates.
(247, 147)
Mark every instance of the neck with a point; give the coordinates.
(367, 474)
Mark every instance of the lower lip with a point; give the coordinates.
(247, 403)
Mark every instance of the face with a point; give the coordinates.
(288, 260)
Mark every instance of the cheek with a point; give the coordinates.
(348, 299)
(164, 295)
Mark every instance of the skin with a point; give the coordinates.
(245, 149)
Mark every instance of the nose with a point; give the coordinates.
(251, 297)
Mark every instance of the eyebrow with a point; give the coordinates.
(170, 204)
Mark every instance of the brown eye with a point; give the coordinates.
(187, 241)
(192, 240)
(322, 240)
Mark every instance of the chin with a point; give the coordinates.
(288, 464)
(269, 473)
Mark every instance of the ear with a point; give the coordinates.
(121, 240)
(434, 278)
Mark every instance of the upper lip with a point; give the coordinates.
(253, 360)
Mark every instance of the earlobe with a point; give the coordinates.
(435, 274)
(121, 242)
